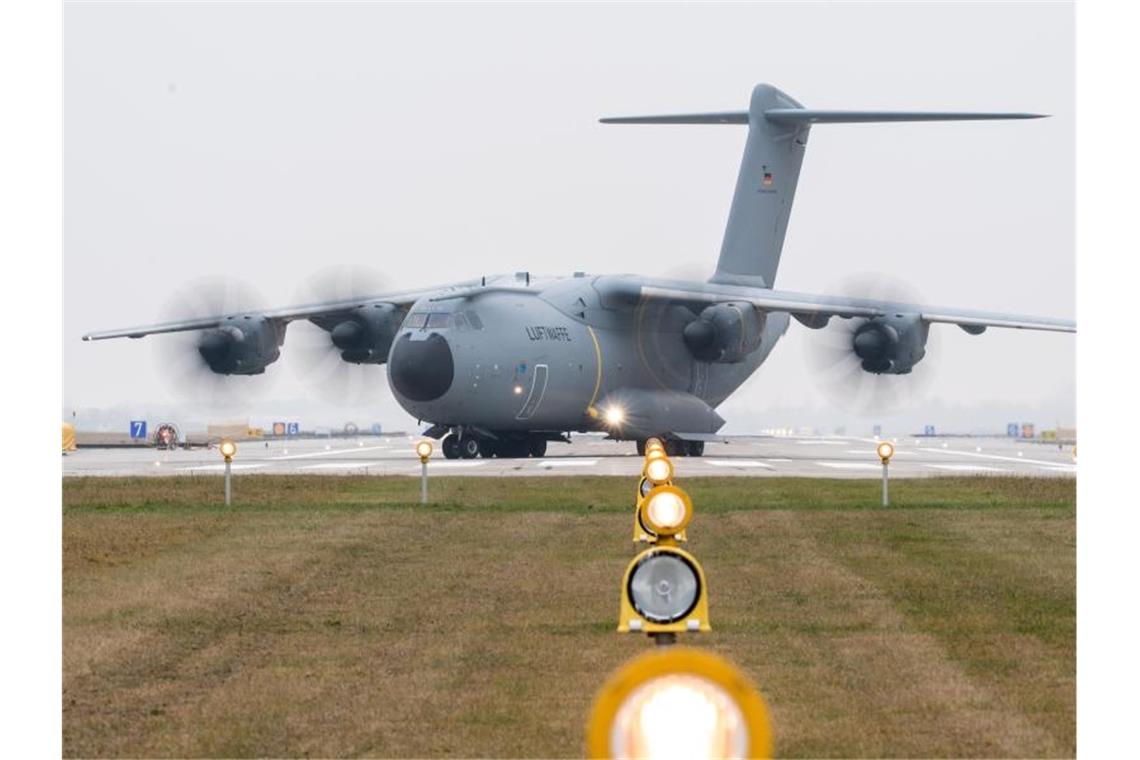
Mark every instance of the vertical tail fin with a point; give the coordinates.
(778, 129)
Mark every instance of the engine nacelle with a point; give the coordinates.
(725, 332)
(365, 335)
(892, 344)
(242, 345)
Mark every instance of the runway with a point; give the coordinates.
(828, 457)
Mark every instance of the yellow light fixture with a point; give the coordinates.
(679, 702)
(666, 510)
(658, 470)
(655, 454)
(885, 450)
(423, 450)
(664, 591)
(654, 443)
(228, 449)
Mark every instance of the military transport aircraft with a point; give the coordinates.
(499, 366)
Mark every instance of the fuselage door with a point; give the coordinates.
(537, 389)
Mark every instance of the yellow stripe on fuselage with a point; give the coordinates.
(598, 379)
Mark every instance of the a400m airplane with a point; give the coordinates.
(502, 365)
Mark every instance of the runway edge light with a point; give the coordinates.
(664, 590)
(679, 702)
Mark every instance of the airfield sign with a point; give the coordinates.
(138, 429)
(294, 428)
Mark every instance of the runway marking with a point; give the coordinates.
(455, 465)
(331, 452)
(968, 468)
(820, 442)
(775, 459)
(221, 467)
(339, 465)
(851, 465)
(548, 463)
(738, 463)
(1001, 458)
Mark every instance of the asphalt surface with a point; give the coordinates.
(829, 457)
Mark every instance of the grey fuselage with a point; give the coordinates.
(554, 354)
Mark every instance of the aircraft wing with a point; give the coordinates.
(814, 310)
(285, 314)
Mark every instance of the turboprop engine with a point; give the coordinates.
(891, 344)
(725, 332)
(364, 335)
(242, 345)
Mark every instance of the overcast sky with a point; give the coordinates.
(433, 143)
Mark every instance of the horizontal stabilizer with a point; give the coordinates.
(724, 117)
(814, 116)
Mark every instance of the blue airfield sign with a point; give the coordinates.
(138, 429)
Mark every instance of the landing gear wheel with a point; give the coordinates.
(675, 448)
(469, 448)
(696, 448)
(537, 447)
(640, 447)
(489, 449)
(451, 446)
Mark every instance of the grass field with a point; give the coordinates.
(333, 616)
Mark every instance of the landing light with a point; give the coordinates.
(614, 415)
(518, 389)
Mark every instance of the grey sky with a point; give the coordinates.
(443, 142)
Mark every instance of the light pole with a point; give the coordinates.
(885, 450)
(228, 449)
(423, 450)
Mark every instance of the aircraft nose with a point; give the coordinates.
(421, 370)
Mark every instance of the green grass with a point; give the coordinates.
(337, 616)
(556, 494)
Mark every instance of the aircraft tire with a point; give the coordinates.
(696, 448)
(537, 447)
(451, 446)
(675, 448)
(469, 448)
(641, 447)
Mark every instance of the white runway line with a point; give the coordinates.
(331, 452)
(220, 467)
(454, 465)
(851, 465)
(776, 459)
(818, 442)
(339, 465)
(738, 463)
(1058, 465)
(968, 468)
(548, 463)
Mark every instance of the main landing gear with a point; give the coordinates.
(470, 447)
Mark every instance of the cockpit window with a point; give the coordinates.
(438, 320)
(416, 321)
(473, 318)
(461, 321)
